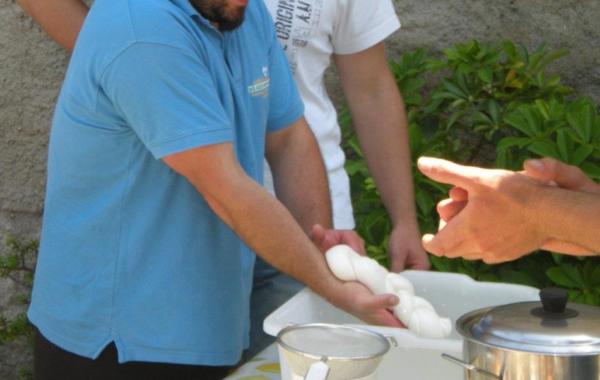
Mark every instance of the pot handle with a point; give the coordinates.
(471, 367)
(318, 370)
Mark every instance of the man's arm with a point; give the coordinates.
(380, 123)
(301, 185)
(549, 172)
(554, 172)
(571, 216)
(299, 175)
(270, 230)
(499, 215)
(61, 19)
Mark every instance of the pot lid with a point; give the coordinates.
(547, 327)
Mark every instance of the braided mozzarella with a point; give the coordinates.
(415, 312)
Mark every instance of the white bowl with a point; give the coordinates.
(451, 294)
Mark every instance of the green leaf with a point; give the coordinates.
(560, 278)
(481, 128)
(544, 149)
(557, 258)
(454, 89)
(415, 137)
(502, 158)
(424, 202)
(590, 298)
(581, 116)
(457, 102)
(510, 50)
(433, 105)
(576, 295)
(551, 57)
(580, 154)
(516, 277)
(574, 274)
(412, 85)
(542, 107)
(508, 142)
(377, 216)
(494, 111)
(591, 170)
(482, 118)
(486, 74)
(353, 143)
(518, 121)
(593, 278)
(532, 116)
(563, 145)
(453, 118)
(354, 167)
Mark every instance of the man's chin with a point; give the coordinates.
(232, 23)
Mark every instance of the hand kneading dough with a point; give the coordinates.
(415, 312)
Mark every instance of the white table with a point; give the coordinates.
(405, 364)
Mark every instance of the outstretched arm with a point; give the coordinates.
(505, 215)
(546, 170)
(380, 123)
(61, 19)
(269, 228)
(551, 171)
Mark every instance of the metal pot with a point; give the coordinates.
(531, 340)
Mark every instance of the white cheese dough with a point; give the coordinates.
(415, 312)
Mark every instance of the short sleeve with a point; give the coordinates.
(285, 104)
(168, 97)
(361, 24)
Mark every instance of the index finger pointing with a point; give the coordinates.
(448, 172)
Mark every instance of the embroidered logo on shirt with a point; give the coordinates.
(260, 87)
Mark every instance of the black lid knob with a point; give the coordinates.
(554, 300)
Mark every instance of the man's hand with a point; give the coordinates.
(490, 214)
(547, 171)
(325, 239)
(405, 249)
(355, 298)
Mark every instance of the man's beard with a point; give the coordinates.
(216, 11)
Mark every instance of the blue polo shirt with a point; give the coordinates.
(130, 251)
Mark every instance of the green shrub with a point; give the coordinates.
(492, 105)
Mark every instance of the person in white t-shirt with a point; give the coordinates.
(313, 33)
(351, 33)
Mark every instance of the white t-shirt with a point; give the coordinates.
(310, 31)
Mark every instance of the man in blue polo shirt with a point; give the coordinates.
(153, 200)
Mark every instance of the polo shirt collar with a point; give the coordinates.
(187, 7)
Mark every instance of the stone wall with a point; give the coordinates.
(32, 68)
